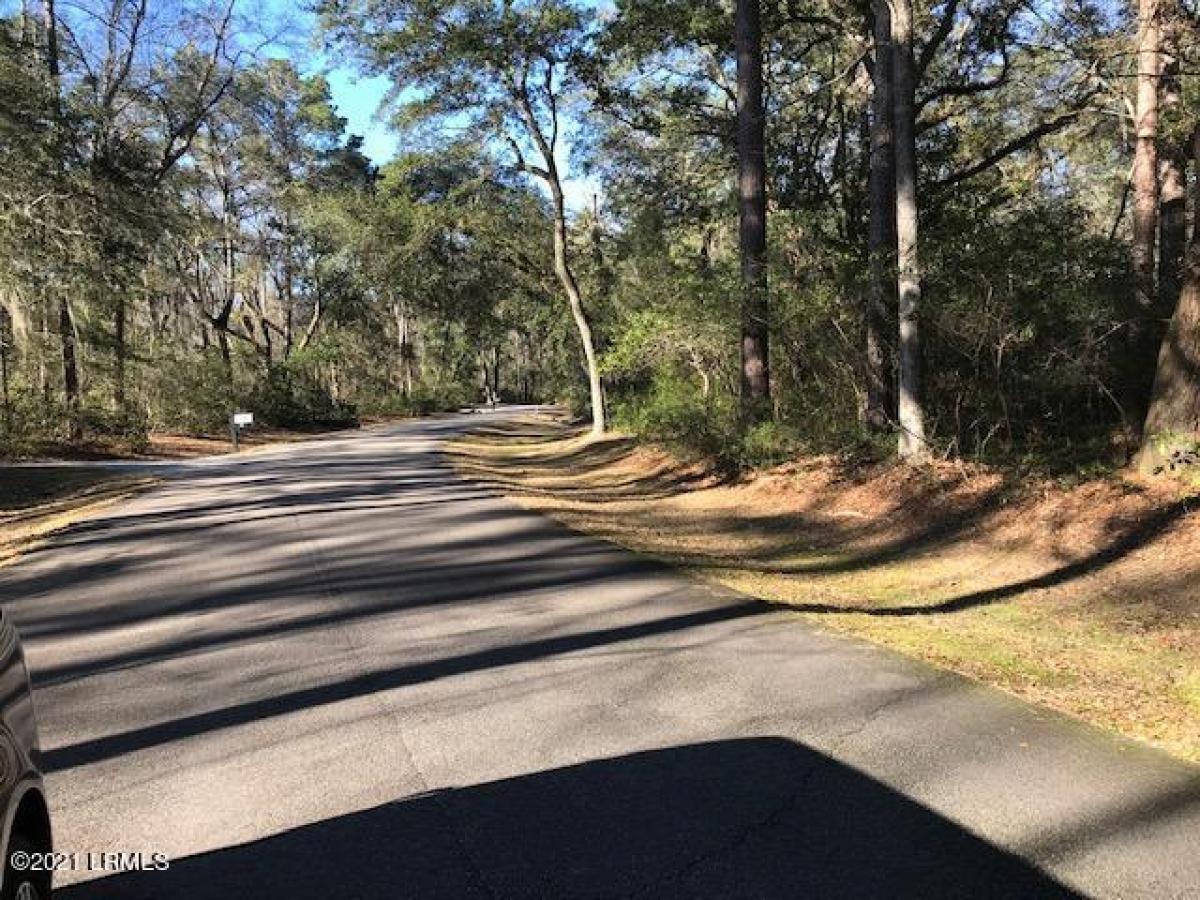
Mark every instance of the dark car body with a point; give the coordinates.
(26, 823)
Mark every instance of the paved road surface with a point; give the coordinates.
(336, 670)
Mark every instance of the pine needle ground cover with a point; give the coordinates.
(1081, 597)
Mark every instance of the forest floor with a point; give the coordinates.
(1082, 597)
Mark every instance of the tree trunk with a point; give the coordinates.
(119, 357)
(486, 378)
(43, 369)
(1196, 185)
(562, 268)
(496, 361)
(226, 355)
(288, 290)
(1172, 228)
(752, 214)
(910, 412)
(1145, 212)
(50, 32)
(6, 345)
(1173, 422)
(881, 242)
(229, 278)
(404, 350)
(66, 328)
(562, 262)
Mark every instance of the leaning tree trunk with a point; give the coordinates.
(752, 214)
(1141, 344)
(881, 241)
(910, 412)
(562, 268)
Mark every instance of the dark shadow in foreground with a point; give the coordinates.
(761, 818)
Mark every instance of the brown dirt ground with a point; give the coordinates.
(1083, 598)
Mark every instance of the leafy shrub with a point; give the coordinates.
(130, 426)
(290, 397)
(766, 444)
(423, 401)
(675, 413)
(191, 394)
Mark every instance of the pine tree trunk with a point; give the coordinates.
(752, 209)
(1141, 341)
(1196, 184)
(1173, 422)
(1172, 228)
(1172, 231)
(910, 412)
(881, 292)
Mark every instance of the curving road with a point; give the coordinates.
(337, 670)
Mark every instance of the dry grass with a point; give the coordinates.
(36, 503)
(1085, 599)
(162, 445)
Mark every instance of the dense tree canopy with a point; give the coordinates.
(963, 227)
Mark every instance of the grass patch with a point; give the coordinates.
(1082, 597)
(36, 503)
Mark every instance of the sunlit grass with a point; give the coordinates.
(1118, 647)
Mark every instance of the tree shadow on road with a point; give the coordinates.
(763, 817)
(186, 726)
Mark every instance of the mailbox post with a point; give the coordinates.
(237, 422)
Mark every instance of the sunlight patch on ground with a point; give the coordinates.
(1083, 598)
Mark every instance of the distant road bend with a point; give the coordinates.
(335, 669)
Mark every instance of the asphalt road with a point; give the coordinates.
(336, 670)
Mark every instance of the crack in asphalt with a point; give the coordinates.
(732, 846)
(894, 699)
(336, 597)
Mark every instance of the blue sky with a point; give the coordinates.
(358, 99)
